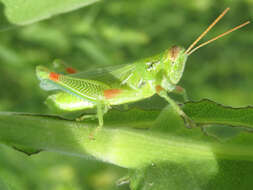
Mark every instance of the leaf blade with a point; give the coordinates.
(210, 112)
(15, 11)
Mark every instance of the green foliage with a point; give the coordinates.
(21, 12)
(182, 158)
(208, 112)
(199, 175)
(115, 32)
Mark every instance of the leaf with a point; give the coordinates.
(198, 175)
(155, 145)
(209, 112)
(19, 12)
(28, 151)
(57, 134)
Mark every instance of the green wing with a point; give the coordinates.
(112, 75)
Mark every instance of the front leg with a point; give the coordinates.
(180, 90)
(163, 93)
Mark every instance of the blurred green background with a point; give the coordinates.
(116, 32)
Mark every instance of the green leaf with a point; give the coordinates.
(198, 175)
(155, 145)
(26, 150)
(19, 12)
(209, 112)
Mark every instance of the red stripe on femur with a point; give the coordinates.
(111, 93)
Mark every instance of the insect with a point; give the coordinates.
(142, 79)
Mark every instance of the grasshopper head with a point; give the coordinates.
(177, 56)
(175, 59)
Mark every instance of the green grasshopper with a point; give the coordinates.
(142, 79)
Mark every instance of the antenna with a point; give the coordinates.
(217, 37)
(207, 30)
(190, 50)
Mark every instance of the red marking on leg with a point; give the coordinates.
(179, 89)
(54, 76)
(158, 89)
(70, 70)
(111, 93)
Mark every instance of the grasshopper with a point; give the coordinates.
(142, 79)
